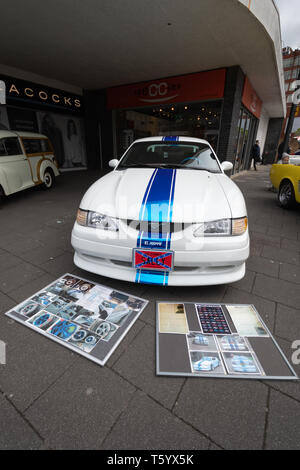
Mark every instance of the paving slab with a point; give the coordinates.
(28, 289)
(40, 256)
(279, 254)
(166, 431)
(263, 266)
(15, 432)
(33, 365)
(60, 265)
(245, 284)
(17, 276)
(137, 365)
(277, 290)
(293, 245)
(230, 412)
(287, 322)
(79, 410)
(283, 430)
(290, 272)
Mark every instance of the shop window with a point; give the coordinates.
(32, 146)
(246, 135)
(201, 119)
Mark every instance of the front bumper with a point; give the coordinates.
(214, 260)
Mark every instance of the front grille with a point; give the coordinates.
(156, 227)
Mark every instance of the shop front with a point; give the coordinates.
(247, 127)
(189, 105)
(197, 105)
(55, 113)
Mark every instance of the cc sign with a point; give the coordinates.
(160, 89)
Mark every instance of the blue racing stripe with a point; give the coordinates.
(157, 206)
(170, 138)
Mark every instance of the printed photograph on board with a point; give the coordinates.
(28, 308)
(241, 363)
(198, 341)
(44, 298)
(57, 305)
(55, 312)
(172, 318)
(212, 319)
(246, 320)
(207, 362)
(63, 329)
(232, 343)
(84, 340)
(43, 320)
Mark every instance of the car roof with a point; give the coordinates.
(4, 133)
(178, 139)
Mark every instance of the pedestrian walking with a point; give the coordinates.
(255, 154)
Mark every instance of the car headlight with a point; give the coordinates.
(96, 220)
(223, 227)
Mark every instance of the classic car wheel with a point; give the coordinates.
(286, 195)
(48, 181)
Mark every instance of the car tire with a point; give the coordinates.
(286, 195)
(49, 179)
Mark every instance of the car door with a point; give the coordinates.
(14, 165)
(35, 154)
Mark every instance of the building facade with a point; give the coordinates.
(201, 75)
(291, 65)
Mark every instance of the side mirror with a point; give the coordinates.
(113, 163)
(226, 166)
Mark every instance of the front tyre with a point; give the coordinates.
(286, 195)
(49, 179)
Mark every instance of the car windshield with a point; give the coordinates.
(186, 155)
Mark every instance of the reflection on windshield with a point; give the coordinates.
(189, 155)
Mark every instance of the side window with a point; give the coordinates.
(2, 148)
(46, 145)
(32, 146)
(12, 146)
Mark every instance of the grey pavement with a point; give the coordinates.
(52, 398)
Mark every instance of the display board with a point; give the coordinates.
(86, 317)
(217, 340)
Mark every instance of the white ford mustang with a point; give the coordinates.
(166, 215)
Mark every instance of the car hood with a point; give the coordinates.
(188, 195)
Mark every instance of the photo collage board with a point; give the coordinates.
(86, 317)
(217, 340)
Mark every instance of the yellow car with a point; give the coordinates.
(286, 179)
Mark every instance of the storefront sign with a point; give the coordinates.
(250, 99)
(193, 87)
(20, 91)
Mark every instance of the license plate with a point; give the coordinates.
(153, 259)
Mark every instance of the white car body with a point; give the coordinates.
(121, 194)
(21, 169)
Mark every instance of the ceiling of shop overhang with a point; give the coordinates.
(99, 43)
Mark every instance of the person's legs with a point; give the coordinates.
(254, 164)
